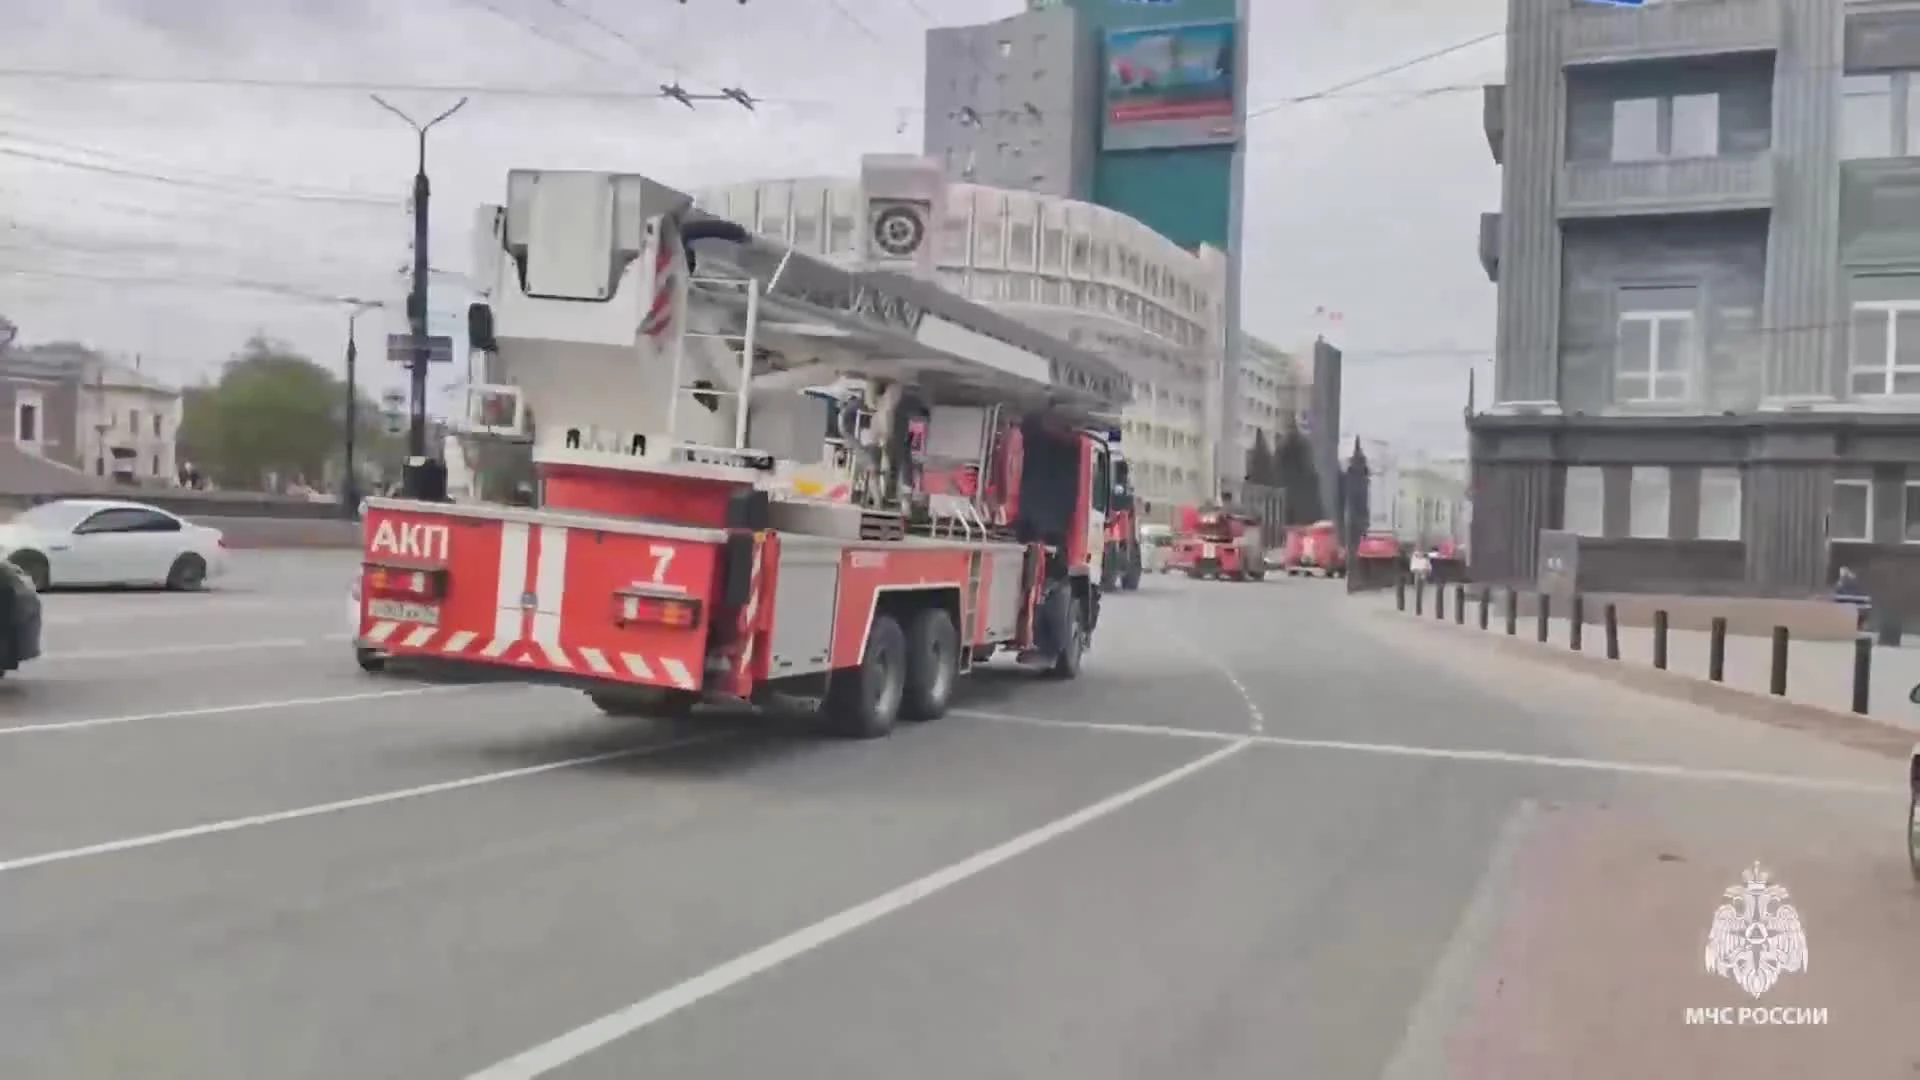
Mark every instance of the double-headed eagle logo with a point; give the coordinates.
(1756, 935)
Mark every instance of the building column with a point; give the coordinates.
(1513, 499)
(1527, 350)
(1789, 493)
(1804, 320)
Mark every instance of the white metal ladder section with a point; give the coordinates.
(970, 605)
(744, 342)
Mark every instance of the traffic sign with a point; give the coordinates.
(400, 349)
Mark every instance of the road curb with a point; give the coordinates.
(1857, 732)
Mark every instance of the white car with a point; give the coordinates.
(85, 542)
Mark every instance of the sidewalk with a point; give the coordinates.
(1819, 673)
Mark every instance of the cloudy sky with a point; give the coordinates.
(131, 208)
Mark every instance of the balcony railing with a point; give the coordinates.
(1683, 186)
(1602, 34)
(1490, 245)
(1493, 113)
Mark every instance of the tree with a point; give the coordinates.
(1260, 462)
(1297, 476)
(273, 417)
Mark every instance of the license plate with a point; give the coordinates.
(403, 611)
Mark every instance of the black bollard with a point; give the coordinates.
(1419, 598)
(1459, 605)
(1717, 649)
(1439, 601)
(1612, 616)
(1540, 616)
(1777, 677)
(1577, 626)
(1513, 612)
(1660, 640)
(1862, 673)
(1486, 601)
(1400, 593)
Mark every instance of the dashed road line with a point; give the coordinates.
(232, 709)
(72, 656)
(214, 828)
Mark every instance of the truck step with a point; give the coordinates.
(882, 525)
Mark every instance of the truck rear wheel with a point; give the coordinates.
(864, 702)
(933, 665)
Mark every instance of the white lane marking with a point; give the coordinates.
(176, 607)
(592, 1036)
(214, 828)
(228, 710)
(189, 650)
(1497, 757)
(1425, 1049)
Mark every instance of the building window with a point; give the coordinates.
(1582, 500)
(1885, 348)
(1910, 527)
(1880, 115)
(1695, 126)
(157, 432)
(1651, 129)
(1852, 516)
(1720, 504)
(1649, 499)
(26, 418)
(1636, 129)
(1654, 352)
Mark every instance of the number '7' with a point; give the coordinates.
(662, 555)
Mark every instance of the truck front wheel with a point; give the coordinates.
(1073, 648)
(933, 665)
(864, 702)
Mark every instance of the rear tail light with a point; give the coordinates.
(669, 610)
(404, 582)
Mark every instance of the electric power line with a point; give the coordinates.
(1375, 75)
(188, 182)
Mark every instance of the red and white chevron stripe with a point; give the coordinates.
(513, 650)
(749, 624)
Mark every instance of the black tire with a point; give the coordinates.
(371, 661)
(1067, 662)
(645, 703)
(864, 702)
(35, 566)
(1256, 575)
(188, 574)
(1913, 833)
(933, 665)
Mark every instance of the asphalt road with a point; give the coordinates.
(1272, 832)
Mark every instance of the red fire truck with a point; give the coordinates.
(696, 539)
(1222, 543)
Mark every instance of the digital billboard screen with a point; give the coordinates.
(1169, 86)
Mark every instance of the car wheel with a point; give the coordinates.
(34, 565)
(188, 574)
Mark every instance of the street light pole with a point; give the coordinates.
(417, 298)
(350, 486)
